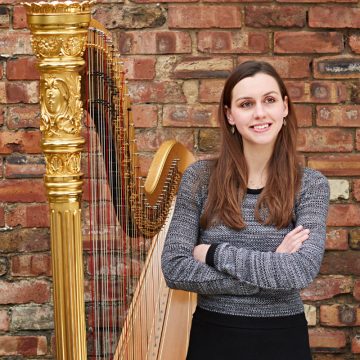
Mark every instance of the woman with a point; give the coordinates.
(248, 229)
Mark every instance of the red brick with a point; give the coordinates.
(19, 17)
(354, 43)
(337, 239)
(2, 217)
(325, 140)
(22, 92)
(154, 42)
(24, 291)
(341, 263)
(190, 116)
(140, 68)
(317, 91)
(339, 116)
(336, 165)
(4, 17)
(28, 215)
(356, 189)
(232, 42)
(144, 163)
(327, 339)
(281, 16)
(150, 140)
(22, 69)
(355, 344)
(355, 239)
(356, 292)
(22, 190)
(20, 116)
(31, 265)
(21, 141)
(24, 240)
(23, 345)
(156, 92)
(145, 115)
(236, 1)
(308, 42)
(344, 215)
(210, 90)
(15, 43)
(334, 17)
(295, 67)
(337, 67)
(203, 67)
(182, 16)
(161, 1)
(339, 315)
(326, 287)
(2, 115)
(24, 166)
(32, 317)
(4, 320)
(303, 115)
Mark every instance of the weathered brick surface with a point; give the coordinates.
(145, 116)
(327, 339)
(13, 191)
(32, 317)
(309, 42)
(356, 189)
(341, 262)
(356, 292)
(355, 344)
(23, 345)
(279, 16)
(20, 92)
(31, 265)
(24, 240)
(340, 315)
(182, 16)
(334, 17)
(190, 116)
(232, 42)
(28, 215)
(19, 17)
(336, 165)
(325, 140)
(140, 68)
(338, 115)
(24, 166)
(326, 287)
(15, 43)
(355, 239)
(4, 320)
(22, 68)
(354, 43)
(339, 189)
(24, 291)
(4, 17)
(344, 215)
(20, 116)
(21, 141)
(337, 239)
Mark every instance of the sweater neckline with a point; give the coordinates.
(254, 191)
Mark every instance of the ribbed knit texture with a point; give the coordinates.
(248, 278)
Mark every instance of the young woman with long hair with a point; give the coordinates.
(248, 229)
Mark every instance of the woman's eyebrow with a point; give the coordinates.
(249, 97)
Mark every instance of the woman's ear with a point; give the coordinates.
(228, 116)
(286, 106)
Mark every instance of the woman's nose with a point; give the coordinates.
(259, 110)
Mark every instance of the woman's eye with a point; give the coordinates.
(270, 100)
(245, 104)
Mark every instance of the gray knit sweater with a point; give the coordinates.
(247, 277)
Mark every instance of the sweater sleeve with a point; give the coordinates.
(284, 271)
(180, 269)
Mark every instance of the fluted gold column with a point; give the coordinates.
(59, 35)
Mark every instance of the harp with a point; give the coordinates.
(121, 219)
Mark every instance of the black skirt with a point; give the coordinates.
(217, 336)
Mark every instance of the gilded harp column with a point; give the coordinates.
(59, 34)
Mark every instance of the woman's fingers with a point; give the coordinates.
(293, 240)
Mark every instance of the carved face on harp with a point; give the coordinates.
(56, 96)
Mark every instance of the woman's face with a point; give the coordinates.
(257, 109)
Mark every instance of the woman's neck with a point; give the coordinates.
(257, 159)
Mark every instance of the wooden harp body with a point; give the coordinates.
(148, 321)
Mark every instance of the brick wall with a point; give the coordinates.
(178, 54)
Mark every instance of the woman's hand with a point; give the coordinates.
(200, 252)
(293, 240)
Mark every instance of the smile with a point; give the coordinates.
(261, 127)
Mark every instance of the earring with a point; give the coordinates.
(232, 129)
(284, 121)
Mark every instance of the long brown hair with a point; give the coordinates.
(229, 174)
